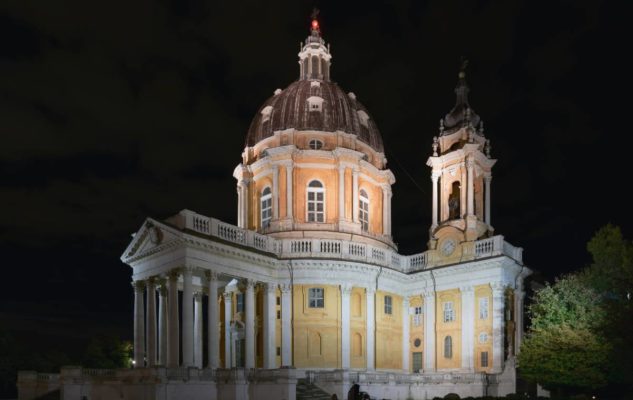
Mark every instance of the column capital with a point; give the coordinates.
(151, 281)
(249, 284)
(370, 291)
(497, 288)
(428, 294)
(211, 276)
(227, 296)
(138, 285)
(187, 270)
(197, 296)
(173, 274)
(488, 177)
(435, 175)
(346, 289)
(470, 163)
(466, 289)
(285, 288)
(162, 290)
(405, 301)
(269, 287)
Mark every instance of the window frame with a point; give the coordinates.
(448, 347)
(484, 311)
(363, 210)
(314, 301)
(417, 315)
(267, 197)
(239, 302)
(315, 144)
(388, 305)
(482, 358)
(448, 312)
(315, 190)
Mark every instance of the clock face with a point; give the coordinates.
(448, 246)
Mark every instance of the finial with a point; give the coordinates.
(462, 69)
(481, 128)
(487, 148)
(441, 126)
(467, 120)
(435, 146)
(315, 22)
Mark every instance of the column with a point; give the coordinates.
(468, 328)
(434, 178)
(173, 334)
(286, 328)
(289, 203)
(471, 186)
(162, 323)
(213, 321)
(487, 179)
(197, 330)
(228, 317)
(249, 323)
(341, 193)
(355, 195)
(245, 203)
(240, 208)
(139, 324)
(275, 192)
(151, 322)
(187, 317)
(346, 291)
(463, 191)
(498, 302)
(270, 317)
(386, 210)
(371, 331)
(429, 331)
(519, 296)
(405, 334)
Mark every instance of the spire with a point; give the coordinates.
(314, 56)
(462, 114)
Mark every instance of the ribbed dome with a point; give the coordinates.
(314, 105)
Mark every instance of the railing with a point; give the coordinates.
(332, 248)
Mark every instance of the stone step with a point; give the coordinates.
(308, 391)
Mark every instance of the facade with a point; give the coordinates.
(310, 277)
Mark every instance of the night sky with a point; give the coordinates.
(112, 111)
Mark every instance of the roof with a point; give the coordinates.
(292, 108)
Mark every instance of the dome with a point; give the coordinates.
(314, 105)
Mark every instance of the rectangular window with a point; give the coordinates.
(278, 314)
(363, 214)
(316, 206)
(388, 305)
(267, 210)
(449, 313)
(316, 298)
(484, 359)
(278, 351)
(483, 308)
(239, 303)
(278, 300)
(417, 362)
(417, 316)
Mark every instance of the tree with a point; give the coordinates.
(580, 335)
(563, 349)
(107, 352)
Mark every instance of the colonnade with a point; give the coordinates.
(162, 343)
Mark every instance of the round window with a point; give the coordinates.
(417, 342)
(483, 337)
(315, 144)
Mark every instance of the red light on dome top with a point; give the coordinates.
(315, 24)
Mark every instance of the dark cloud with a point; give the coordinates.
(112, 111)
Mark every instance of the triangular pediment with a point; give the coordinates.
(151, 235)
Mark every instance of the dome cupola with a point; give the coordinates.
(314, 160)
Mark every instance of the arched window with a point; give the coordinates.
(266, 207)
(315, 144)
(388, 305)
(363, 210)
(448, 347)
(315, 67)
(316, 202)
(305, 68)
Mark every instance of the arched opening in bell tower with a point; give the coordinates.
(454, 206)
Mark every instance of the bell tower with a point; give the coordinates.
(461, 175)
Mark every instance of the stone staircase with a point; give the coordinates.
(308, 391)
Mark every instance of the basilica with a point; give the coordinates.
(309, 284)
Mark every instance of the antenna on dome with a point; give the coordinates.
(315, 22)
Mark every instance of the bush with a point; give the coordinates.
(452, 396)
